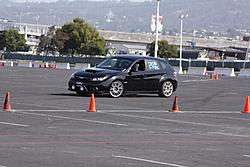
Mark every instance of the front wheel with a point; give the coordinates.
(116, 89)
(167, 89)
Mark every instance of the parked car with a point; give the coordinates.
(121, 74)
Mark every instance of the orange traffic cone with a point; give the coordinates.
(211, 76)
(92, 107)
(217, 76)
(247, 106)
(7, 106)
(175, 107)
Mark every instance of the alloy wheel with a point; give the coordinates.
(116, 89)
(167, 88)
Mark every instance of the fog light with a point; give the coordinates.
(81, 88)
(73, 87)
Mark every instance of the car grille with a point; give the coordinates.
(82, 78)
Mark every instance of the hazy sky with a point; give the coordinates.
(69, 0)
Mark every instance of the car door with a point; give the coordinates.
(135, 77)
(152, 75)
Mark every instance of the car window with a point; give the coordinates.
(115, 64)
(139, 66)
(152, 65)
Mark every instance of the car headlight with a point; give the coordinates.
(175, 74)
(72, 75)
(99, 78)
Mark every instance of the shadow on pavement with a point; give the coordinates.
(106, 95)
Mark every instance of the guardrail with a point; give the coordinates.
(210, 65)
(237, 65)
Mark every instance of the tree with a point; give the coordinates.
(45, 44)
(164, 49)
(78, 37)
(12, 41)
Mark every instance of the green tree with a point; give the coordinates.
(45, 45)
(164, 49)
(78, 37)
(12, 41)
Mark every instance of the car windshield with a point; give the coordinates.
(116, 63)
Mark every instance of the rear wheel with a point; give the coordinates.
(167, 89)
(116, 89)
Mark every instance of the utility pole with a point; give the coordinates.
(181, 17)
(247, 54)
(157, 28)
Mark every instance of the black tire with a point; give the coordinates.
(167, 89)
(116, 89)
(81, 93)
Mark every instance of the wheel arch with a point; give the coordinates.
(175, 84)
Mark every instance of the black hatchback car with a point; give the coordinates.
(126, 74)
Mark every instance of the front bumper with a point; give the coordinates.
(88, 86)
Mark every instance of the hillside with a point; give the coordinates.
(215, 15)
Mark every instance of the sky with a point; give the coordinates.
(59, 0)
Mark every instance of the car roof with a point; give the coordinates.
(134, 56)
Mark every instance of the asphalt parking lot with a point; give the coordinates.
(50, 125)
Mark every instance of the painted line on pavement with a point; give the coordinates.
(76, 111)
(167, 111)
(2, 166)
(247, 156)
(195, 80)
(210, 112)
(167, 120)
(14, 124)
(75, 119)
(135, 111)
(232, 118)
(37, 105)
(149, 161)
(228, 134)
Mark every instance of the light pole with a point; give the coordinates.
(181, 17)
(223, 57)
(157, 27)
(247, 53)
(37, 17)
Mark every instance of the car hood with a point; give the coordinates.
(96, 72)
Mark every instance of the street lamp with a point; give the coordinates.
(181, 17)
(157, 27)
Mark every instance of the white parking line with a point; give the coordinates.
(149, 161)
(167, 120)
(210, 112)
(166, 111)
(13, 124)
(76, 111)
(247, 156)
(37, 105)
(228, 134)
(196, 80)
(75, 119)
(232, 118)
